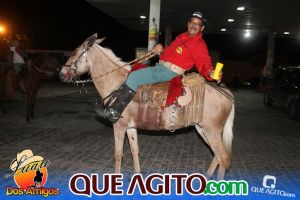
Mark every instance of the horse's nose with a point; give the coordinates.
(62, 77)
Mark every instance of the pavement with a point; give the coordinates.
(66, 132)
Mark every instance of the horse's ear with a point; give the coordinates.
(98, 41)
(90, 41)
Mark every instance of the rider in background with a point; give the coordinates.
(18, 57)
(187, 50)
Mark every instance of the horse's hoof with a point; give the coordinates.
(208, 176)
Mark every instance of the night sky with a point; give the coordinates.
(63, 25)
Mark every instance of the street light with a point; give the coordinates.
(2, 29)
(4, 32)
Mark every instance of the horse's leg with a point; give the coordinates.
(134, 148)
(220, 152)
(8, 89)
(221, 155)
(119, 135)
(213, 137)
(33, 101)
(29, 99)
(221, 172)
(214, 162)
(35, 86)
(212, 168)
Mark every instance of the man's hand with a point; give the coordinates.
(158, 48)
(211, 74)
(220, 77)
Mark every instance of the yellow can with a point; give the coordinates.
(218, 69)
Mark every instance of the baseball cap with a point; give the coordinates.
(197, 14)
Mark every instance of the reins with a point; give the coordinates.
(142, 58)
(30, 63)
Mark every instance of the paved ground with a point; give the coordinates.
(66, 132)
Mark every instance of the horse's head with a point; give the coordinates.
(78, 63)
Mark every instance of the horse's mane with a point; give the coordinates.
(115, 58)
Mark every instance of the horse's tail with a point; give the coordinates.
(228, 132)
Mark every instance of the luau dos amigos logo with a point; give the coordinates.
(30, 174)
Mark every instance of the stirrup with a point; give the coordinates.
(114, 116)
(114, 119)
(108, 113)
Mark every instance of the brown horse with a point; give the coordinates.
(28, 81)
(109, 72)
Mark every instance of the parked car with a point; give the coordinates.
(285, 89)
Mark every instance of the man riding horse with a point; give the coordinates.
(18, 57)
(187, 50)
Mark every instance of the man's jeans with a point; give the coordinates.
(149, 75)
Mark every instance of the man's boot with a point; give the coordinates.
(113, 112)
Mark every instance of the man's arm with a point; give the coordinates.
(203, 61)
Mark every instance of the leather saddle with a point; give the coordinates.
(181, 94)
(155, 94)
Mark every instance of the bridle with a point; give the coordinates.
(74, 66)
(76, 80)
